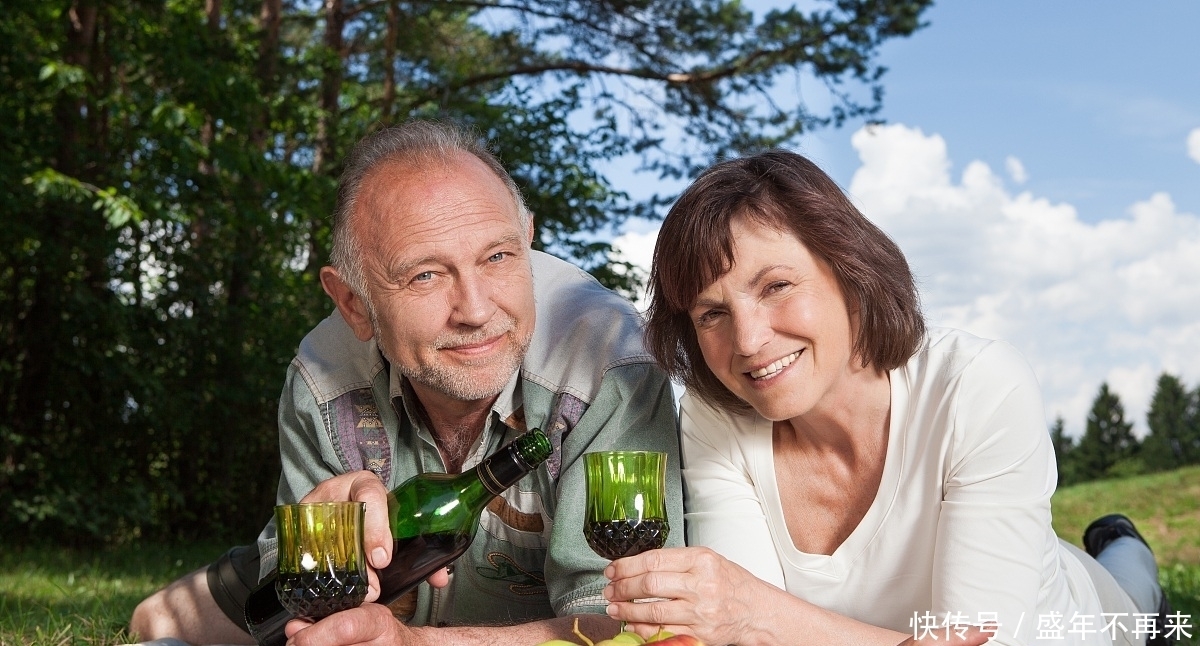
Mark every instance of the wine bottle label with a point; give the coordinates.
(489, 479)
(501, 470)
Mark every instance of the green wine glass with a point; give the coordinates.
(626, 502)
(322, 569)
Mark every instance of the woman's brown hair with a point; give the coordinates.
(787, 192)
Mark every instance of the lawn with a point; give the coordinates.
(52, 596)
(55, 596)
(1166, 509)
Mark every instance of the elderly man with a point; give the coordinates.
(451, 337)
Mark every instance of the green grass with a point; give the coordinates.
(55, 596)
(51, 596)
(1166, 509)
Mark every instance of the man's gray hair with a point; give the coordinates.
(416, 142)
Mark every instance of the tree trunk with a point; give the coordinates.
(41, 331)
(331, 84)
(389, 61)
(270, 16)
(331, 88)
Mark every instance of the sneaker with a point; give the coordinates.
(1105, 530)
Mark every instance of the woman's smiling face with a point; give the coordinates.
(775, 328)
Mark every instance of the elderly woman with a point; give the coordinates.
(852, 476)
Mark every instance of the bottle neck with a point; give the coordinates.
(502, 470)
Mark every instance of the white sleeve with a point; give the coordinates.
(994, 531)
(723, 509)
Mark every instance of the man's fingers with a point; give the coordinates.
(377, 534)
(296, 625)
(439, 579)
(365, 487)
(368, 623)
(373, 587)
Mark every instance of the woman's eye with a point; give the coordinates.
(775, 287)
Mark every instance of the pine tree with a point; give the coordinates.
(1189, 439)
(1064, 445)
(1108, 445)
(1168, 418)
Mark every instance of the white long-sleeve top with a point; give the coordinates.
(960, 525)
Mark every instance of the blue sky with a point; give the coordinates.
(1095, 98)
(1041, 170)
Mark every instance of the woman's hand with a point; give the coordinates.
(704, 594)
(967, 636)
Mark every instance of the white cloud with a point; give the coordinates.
(1016, 170)
(1193, 144)
(1085, 302)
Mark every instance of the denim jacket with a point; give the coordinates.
(586, 380)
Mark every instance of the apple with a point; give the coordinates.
(678, 640)
(623, 638)
(668, 638)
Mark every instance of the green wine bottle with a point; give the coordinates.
(433, 518)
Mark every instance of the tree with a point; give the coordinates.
(169, 168)
(1190, 439)
(1063, 447)
(1169, 419)
(1108, 446)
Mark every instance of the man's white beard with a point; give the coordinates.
(460, 382)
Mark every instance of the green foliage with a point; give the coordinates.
(117, 209)
(1108, 447)
(1181, 584)
(169, 167)
(1063, 446)
(1174, 438)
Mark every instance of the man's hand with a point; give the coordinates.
(367, 625)
(365, 486)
